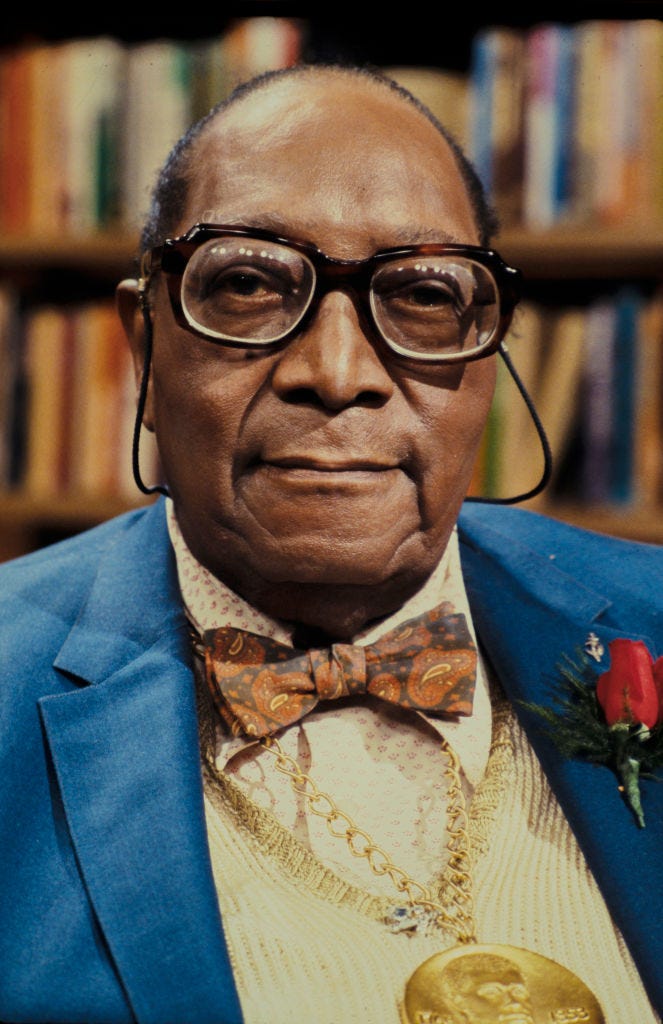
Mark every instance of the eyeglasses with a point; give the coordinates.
(252, 288)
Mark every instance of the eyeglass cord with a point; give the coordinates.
(541, 433)
(503, 351)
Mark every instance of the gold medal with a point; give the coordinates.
(497, 984)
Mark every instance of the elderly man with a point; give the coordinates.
(267, 749)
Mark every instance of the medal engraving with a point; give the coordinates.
(495, 984)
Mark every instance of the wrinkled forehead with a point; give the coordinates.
(330, 148)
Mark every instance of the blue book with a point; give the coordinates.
(596, 403)
(628, 307)
(482, 80)
(564, 128)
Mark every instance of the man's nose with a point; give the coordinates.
(332, 362)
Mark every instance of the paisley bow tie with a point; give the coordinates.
(260, 686)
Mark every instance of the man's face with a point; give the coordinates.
(320, 479)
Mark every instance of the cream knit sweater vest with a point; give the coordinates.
(305, 946)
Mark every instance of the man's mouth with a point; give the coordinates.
(326, 474)
(327, 463)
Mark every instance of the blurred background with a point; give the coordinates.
(562, 114)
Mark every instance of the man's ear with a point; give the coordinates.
(128, 302)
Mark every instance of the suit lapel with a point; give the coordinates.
(528, 614)
(126, 756)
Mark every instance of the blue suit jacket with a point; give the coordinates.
(108, 910)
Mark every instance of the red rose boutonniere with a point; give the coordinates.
(631, 691)
(615, 718)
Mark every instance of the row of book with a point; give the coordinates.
(68, 402)
(595, 374)
(86, 123)
(566, 121)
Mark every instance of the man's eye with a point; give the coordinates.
(246, 283)
(418, 297)
(241, 283)
(432, 294)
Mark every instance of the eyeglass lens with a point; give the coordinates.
(255, 292)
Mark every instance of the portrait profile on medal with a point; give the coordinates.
(493, 985)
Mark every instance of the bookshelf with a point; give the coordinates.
(562, 260)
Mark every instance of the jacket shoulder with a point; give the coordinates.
(606, 562)
(66, 567)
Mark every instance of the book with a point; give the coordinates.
(596, 398)
(648, 426)
(482, 75)
(618, 92)
(10, 371)
(508, 125)
(125, 419)
(15, 142)
(208, 76)
(92, 74)
(515, 449)
(46, 354)
(251, 46)
(617, 149)
(645, 186)
(45, 141)
(97, 387)
(497, 111)
(155, 113)
(627, 355)
(445, 93)
(549, 123)
(560, 373)
(590, 116)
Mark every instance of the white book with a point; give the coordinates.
(156, 111)
(92, 74)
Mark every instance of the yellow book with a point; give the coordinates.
(46, 350)
(561, 372)
(98, 395)
(647, 189)
(589, 116)
(445, 93)
(648, 446)
(45, 140)
(515, 448)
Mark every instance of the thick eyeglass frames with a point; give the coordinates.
(251, 288)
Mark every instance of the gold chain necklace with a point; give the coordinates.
(481, 983)
(422, 910)
(470, 982)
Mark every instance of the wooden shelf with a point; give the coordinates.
(20, 510)
(630, 523)
(113, 252)
(632, 250)
(28, 522)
